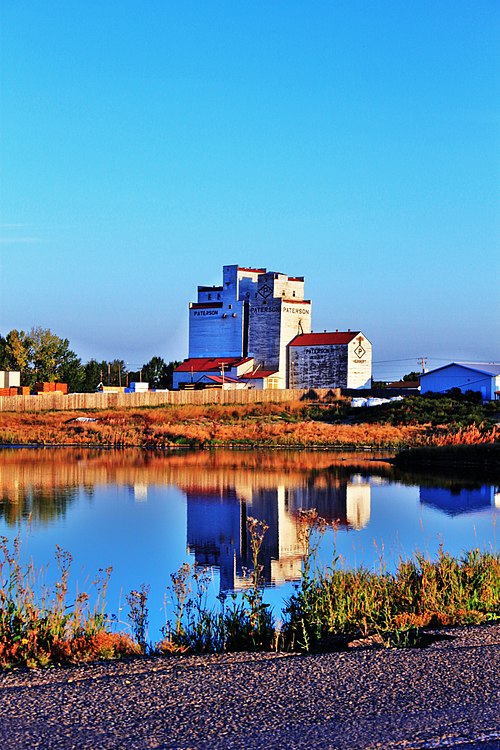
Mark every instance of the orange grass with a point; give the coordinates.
(203, 426)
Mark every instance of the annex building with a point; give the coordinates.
(241, 334)
(341, 359)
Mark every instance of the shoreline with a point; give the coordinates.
(460, 460)
(320, 426)
(444, 695)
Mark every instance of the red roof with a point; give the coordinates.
(252, 270)
(404, 384)
(209, 364)
(258, 374)
(297, 301)
(322, 339)
(219, 379)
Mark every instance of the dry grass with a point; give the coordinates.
(218, 425)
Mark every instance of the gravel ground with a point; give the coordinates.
(443, 696)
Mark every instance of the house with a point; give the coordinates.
(481, 377)
(223, 372)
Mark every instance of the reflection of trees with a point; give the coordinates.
(40, 505)
(223, 487)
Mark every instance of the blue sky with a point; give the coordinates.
(145, 144)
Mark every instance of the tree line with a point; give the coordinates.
(42, 356)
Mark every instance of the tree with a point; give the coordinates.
(40, 355)
(93, 374)
(154, 372)
(17, 350)
(158, 373)
(50, 358)
(3, 354)
(108, 373)
(411, 376)
(116, 373)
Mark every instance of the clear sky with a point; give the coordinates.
(145, 144)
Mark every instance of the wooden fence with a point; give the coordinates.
(83, 401)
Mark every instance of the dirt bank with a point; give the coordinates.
(445, 695)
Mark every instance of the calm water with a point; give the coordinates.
(146, 513)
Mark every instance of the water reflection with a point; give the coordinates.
(460, 500)
(146, 513)
(223, 541)
(44, 482)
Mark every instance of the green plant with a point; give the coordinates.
(342, 604)
(38, 627)
(244, 621)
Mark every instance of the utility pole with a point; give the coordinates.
(422, 362)
(223, 365)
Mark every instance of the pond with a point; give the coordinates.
(145, 513)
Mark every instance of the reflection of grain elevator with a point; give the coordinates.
(225, 543)
(258, 321)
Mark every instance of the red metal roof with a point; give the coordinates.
(321, 339)
(404, 384)
(296, 301)
(252, 270)
(219, 379)
(258, 374)
(209, 364)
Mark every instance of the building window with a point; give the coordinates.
(273, 384)
(230, 307)
(209, 296)
(293, 294)
(218, 296)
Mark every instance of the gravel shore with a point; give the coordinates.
(443, 696)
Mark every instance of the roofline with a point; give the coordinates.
(465, 366)
(200, 305)
(252, 270)
(256, 374)
(353, 335)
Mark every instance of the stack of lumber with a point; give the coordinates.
(50, 388)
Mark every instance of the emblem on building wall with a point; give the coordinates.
(265, 291)
(359, 350)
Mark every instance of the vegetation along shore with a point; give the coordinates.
(332, 608)
(413, 422)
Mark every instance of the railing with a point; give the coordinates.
(84, 401)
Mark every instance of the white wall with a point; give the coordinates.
(359, 363)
